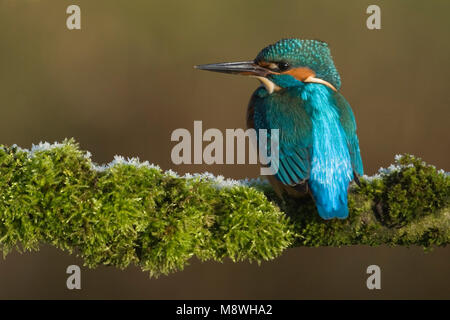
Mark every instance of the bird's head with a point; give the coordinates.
(286, 63)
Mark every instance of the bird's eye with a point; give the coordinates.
(275, 66)
(283, 66)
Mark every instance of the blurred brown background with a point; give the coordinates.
(124, 82)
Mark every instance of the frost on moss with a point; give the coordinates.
(131, 212)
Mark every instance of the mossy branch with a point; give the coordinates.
(134, 213)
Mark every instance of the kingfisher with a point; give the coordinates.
(299, 95)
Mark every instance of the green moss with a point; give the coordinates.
(132, 213)
(412, 189)
(249, 226)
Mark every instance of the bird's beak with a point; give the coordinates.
(247, 68)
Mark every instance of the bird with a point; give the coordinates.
(300, 95)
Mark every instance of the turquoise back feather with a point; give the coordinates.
(331, 167)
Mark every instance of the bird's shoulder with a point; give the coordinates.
(284, 111)
(345, 112)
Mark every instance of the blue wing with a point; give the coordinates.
(295, 140)
(348, 123)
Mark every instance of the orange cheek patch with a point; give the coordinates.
(301, 73)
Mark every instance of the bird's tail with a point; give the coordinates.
(331, 201)
(340, 212)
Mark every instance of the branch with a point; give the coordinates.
(129, 212)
